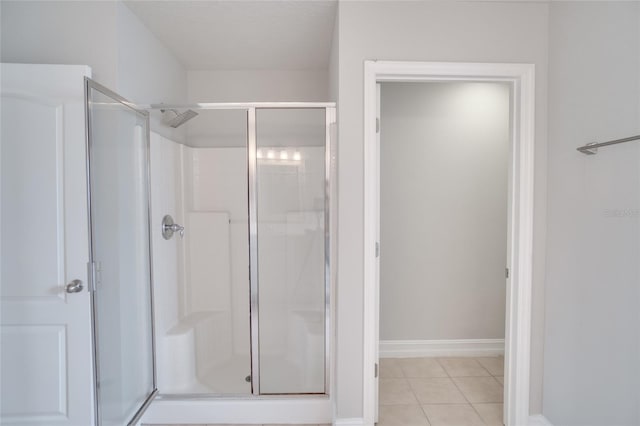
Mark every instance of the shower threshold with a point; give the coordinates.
(243, 409)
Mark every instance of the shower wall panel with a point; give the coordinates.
(216, 288)
(166, 177)
(216, 184)
(208, 268)
(174, 347)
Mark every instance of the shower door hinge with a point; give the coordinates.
(375, 373)
(377, 249)
(377, 125)
(92, 276)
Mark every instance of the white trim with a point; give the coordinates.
(356, 421)
(539, 420)
(521, 192)
(246, 411)
(434, 348)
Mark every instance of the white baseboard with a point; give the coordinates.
(433, 348)
(539, 420)
(356, 421)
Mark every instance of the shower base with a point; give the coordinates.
(305, 409)
(221, 395)
(230, 378)
(227, 378)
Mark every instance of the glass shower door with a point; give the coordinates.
(291, 201)
(118, 149)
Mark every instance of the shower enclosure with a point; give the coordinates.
(243, 297)
(210, 257)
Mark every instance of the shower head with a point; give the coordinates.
(173, 118)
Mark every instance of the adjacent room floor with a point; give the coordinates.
(441, 391)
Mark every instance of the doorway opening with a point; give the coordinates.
(472, 198)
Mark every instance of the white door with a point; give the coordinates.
(45, 340)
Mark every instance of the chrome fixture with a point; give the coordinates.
(173, 118)
(592, 148)
(169, 228)
(74, 286)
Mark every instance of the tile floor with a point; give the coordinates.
(441, 391)
(437, 392)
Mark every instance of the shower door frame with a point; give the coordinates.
(329, 252)
(89, 85)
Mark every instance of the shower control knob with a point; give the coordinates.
(74, 286)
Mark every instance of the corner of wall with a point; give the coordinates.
(333, 60)
(147, 72)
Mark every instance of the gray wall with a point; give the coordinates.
(258, 86)
(333, 61)
(147, 71)
(122, 53)
(592, 343)
(424, 31)
(443, 210)
(75, 33)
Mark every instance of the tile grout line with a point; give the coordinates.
(478, 413)
(451, 378)
(494, 378)
(465, 396)
(479, 364)
(448, 376)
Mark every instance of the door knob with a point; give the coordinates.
(169, 227)
(74, 286)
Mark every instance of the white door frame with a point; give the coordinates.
(520, 234)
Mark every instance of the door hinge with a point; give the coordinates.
(377, 125)
(92, 276)
(506, 272)
(375, 373)
(377, 249)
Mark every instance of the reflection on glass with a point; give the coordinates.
(119, 212)
(291, 275)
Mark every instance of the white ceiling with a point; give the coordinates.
(268, 34)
